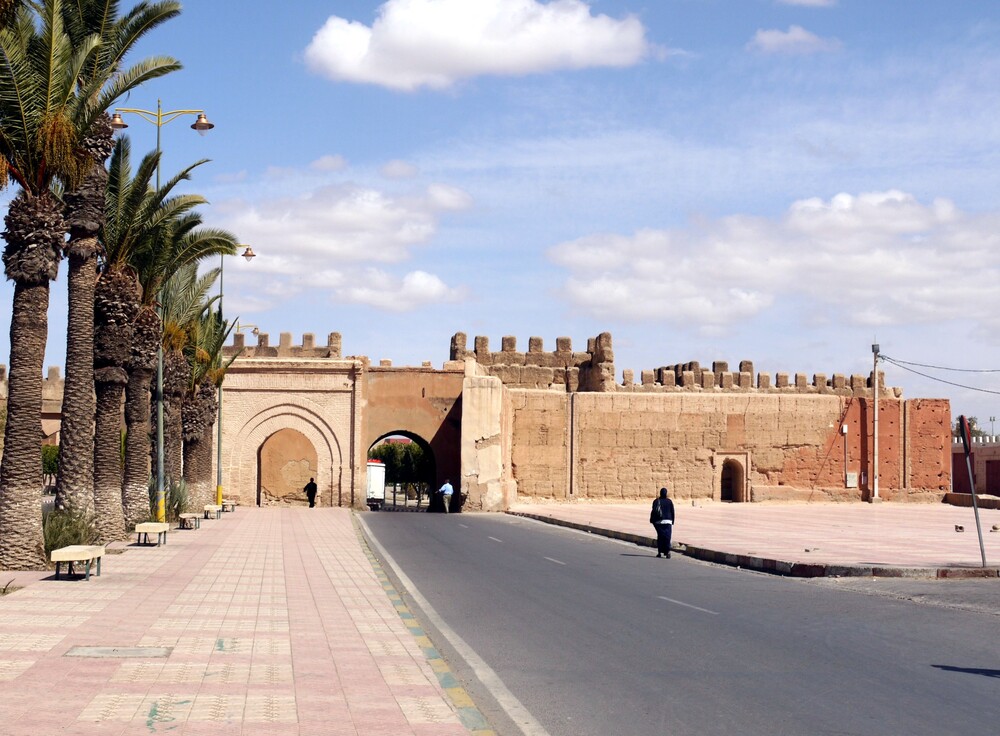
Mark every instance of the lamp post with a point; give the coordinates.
(159, 118)
(249, 255)
(874, 486)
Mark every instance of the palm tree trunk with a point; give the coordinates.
(135, 486)
(198, 469)
(173, 443)
(138, 461)
(85, 213)
(21, 546)
(75, 486)
(34, 238)
(109, 514)
(198, 416)
(116, 304)
(176, 375)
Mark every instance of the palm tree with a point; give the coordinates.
(207, 337)
(144, 235)
(85, 209)
(173, 237)
(185, 303)
(42, 108)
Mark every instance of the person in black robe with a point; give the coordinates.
(661, 516)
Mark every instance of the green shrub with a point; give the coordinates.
(175, 499)
(50, 463)
(62, 528)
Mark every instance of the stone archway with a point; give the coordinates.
(732, 481)
(426, 476)
(286, 462)
(333, 479)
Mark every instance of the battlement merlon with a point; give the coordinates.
(285, 349)
(562, 369)
(692, 376)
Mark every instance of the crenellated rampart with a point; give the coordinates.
(285, 349)
(693, 376)
(594, 370)
(561, 370)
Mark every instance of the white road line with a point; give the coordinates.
(555, 561)
(495, 539)
(464, 526)
(687, 605)
(520, 715)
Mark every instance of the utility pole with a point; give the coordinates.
(874, 493)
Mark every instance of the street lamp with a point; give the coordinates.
(159, 119)
(249, 255)
(992, 419)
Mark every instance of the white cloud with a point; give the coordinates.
(397, 169)
(434, 43)
(327, 239)
(796, 40)
(329, 163)
(384, 291)
(873, 259)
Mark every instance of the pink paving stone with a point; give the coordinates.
(906, 535)
(290, 581)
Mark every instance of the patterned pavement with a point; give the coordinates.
(274, 621)
(913, 536)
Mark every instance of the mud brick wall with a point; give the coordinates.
(624, 446)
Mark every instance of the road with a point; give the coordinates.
(592, 636)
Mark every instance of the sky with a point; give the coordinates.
(782, 181)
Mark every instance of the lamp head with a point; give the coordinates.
(117, 123)
(249, 254)
(202, 124)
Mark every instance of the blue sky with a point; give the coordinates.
(784, 181)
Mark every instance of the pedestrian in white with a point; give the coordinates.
(446, 492)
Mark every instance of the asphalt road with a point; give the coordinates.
(592, 636)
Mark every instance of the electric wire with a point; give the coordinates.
(901, 363)
(904, 366)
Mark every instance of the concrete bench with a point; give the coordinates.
(78, 553)
(211, 508)
(189, 521)
(228, 505)
(159, 528)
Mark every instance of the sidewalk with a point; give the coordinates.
(272, 621)
(805, 540)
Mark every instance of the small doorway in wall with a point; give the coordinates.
(732, 480)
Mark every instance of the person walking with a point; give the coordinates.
(662, 518)
(310, 489)
(446, 492)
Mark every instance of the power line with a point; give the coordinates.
(901, 364)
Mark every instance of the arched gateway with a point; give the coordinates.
(557, 425)
(307, 411)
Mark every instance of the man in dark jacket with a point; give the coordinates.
(662, 518)
(310, 489)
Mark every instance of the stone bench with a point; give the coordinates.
(78, 553)
(211, 508)
(189, 521)
(159, 528)
(228, 505)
